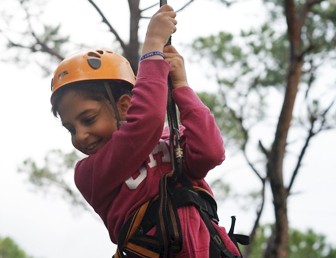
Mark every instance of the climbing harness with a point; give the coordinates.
(175, 190)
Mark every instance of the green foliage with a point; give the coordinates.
(250, 66)
(257, 67)
(307, 244)
(258, 56)
(34, 40)
(310, 245)
(55, 174)
(51, 37)
(9, 249)
(219, 47)
(226, 119)
(320, 29)
(245, 68)
(57, 164)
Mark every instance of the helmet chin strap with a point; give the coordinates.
(113, 103)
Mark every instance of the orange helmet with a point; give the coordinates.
(92, 65)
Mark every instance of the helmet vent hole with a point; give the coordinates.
(94, 63)
(93, 54)
(94, 60)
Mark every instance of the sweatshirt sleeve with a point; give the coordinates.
(99, 175)
(202, 141)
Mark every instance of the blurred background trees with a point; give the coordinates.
(9, 249)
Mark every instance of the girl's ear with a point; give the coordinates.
(123, 104)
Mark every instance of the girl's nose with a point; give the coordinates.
(81, 136)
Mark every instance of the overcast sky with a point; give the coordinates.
(47, 227)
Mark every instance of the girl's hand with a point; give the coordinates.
(177, 69)
(160, 28)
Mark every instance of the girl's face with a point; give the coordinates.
(90, 122)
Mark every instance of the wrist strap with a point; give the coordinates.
(153, 53)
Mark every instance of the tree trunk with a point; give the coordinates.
(131, 51)
(278, 245)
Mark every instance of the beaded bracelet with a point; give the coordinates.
(153, 53)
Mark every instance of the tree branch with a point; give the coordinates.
(185, 6)
(256, 224)
(239, 119)
(38, 43)
(314, 118)
(149, 7)
(302, 153)
(306, 8)
(45, 48)
(178, 10)
(111, 28)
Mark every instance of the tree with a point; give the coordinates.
(9, 249)
(306, 244)
(54, 174)
(248, 70)
(40, 40)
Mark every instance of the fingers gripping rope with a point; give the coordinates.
(163, 2)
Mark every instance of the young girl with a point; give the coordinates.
(120, 128)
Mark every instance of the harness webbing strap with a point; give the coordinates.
(168, 238)
(130, 229)
(169, 223)
(133, 238)
(141, 251)
(197, 197)
(216, 241)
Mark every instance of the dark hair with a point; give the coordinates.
(94, 90)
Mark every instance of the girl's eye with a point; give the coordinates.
(88, 120)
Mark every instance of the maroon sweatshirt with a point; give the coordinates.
(125, 172)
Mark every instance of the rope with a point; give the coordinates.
(175, 139)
